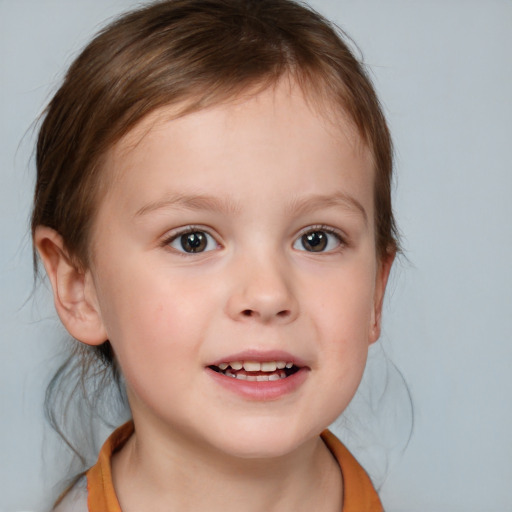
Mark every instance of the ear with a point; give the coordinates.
(383, 270)
(73, 289)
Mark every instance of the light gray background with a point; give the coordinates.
(444, 72)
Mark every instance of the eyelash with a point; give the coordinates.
(320, 228)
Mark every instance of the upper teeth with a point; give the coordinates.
(255, 366)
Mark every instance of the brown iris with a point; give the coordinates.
(195, 241)
(314, 241)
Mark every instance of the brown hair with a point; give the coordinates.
(193, 53)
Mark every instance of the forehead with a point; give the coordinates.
(270, 134)
(283, 96)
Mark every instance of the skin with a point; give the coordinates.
(272, 169)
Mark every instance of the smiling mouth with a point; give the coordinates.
(256, 371)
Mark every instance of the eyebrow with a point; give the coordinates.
(227, 206)
(318, 201)
(191, 202)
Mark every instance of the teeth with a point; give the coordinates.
(269, 367)
(255, 366)
(274, 376)
(256, 378)
(252, 366)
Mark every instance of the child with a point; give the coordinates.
(213, 211)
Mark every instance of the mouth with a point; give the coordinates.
(256, 371)
(260, 376)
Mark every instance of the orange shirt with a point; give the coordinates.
(358, 492)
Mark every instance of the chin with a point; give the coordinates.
(261, 440)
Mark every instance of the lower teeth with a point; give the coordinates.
(256, 378)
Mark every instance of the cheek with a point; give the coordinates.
(153, 343)
(154, 319)
(344, 304)
(137, 310)
(343, 320)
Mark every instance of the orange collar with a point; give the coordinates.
(358, 492)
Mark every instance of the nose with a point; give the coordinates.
(262, 291)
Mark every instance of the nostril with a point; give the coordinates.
(250, 313)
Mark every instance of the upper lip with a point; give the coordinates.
(260, 356)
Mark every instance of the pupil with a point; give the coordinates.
(193, 242)
(315, 241)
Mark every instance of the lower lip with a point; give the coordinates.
(261, 391)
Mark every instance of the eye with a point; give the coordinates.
(193, 242)
(318, 240)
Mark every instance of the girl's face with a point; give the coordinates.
(239, 235)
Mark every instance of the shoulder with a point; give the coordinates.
(76, 499)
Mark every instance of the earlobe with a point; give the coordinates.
(380, 288)
(73, 289)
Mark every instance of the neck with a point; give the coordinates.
(153, 472)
